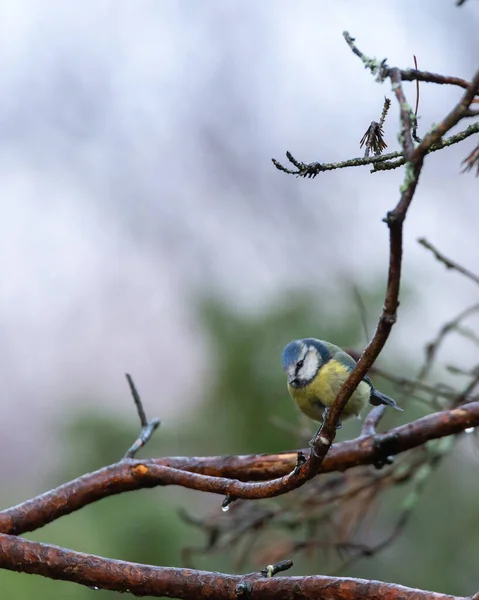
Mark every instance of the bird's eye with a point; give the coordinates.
(299, 365)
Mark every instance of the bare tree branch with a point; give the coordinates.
(447, 262)
(373, 139)
(471, 161)
(372, 420)
(427, 77)
(433, 346)
(24, 556)
(433, 139)
(226, 475)
(383, 162)
(147, 427)
(454, 116)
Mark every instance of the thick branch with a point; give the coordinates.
(24, 556)
(217, 473)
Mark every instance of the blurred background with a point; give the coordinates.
(145, 230)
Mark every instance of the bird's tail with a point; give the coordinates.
(378, 398)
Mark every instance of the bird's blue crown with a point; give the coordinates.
(293, 351)
(291, 354)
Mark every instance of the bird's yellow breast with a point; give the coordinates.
(323, 389)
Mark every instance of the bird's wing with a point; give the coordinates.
(344, 358)
(349, 362)
(377, 397)
(332, 349)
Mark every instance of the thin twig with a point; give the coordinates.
(414, 132)
(417, 87)
(432, 140)
(447, 262)
(380, 69)
(311, 170)
(433, 346)
(455, 115)
(372, 420)
(470, 387)
(278, 567)
(471, 161)
(407, 385)
(374, 136)
(147, 427)
(362, 310)
(406, 114)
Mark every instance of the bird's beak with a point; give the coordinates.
(292, 381)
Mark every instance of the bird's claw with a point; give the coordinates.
(326, 412)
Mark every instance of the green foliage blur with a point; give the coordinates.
(246, 409)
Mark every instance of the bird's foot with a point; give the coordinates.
(312, 445)
(326, 412)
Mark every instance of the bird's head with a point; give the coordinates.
(302, 360)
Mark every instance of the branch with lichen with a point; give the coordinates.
(373, 138)
(384, 162)
(393, 160)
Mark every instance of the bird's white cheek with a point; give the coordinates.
(310, 367)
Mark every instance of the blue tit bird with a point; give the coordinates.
(316, 371)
